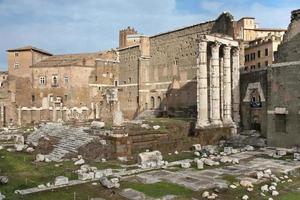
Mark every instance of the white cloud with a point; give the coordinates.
(68, 26)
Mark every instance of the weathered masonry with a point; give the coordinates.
(158, 74)
(284, 91)
(217, 82)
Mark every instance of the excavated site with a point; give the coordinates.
(160, 158)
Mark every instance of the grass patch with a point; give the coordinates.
(291, 196)
(180, 156)
(158, 190)
(22, 173)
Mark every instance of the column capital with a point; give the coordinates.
(226, 51)
(216, 44)
(235, 51)
(202, 45)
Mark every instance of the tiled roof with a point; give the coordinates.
(30, 48)
(73, 59)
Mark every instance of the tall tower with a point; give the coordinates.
(124, 40)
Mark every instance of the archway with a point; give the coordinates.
(152, 101)
(159, 103)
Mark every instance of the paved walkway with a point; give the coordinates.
(210, 178)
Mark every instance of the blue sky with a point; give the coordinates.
(74, 26)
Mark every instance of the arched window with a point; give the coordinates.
(152, 100)
(159, 102)
(42, 80)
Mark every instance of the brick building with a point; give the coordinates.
(46, 87)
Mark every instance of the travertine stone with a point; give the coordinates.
(235, 85)
(227, 85)
(202, 99)
(215, 84)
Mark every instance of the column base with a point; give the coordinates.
(216, 123)
(228, 122)
(202, 124)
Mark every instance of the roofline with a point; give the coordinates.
(181, 28)
(129, 47)
(247, 18)
(266, 29)
(33, 49)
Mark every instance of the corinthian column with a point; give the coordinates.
(235, 85)
(202, 107)
(227, 85)
(215, 84)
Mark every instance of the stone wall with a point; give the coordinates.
(284, 105)
(164, 67)
(254, 116)
(128, 79)
(289, 50)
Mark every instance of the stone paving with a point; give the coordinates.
(70, 139)
(210, 178)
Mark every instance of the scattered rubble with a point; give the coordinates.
(110, 183)
(185, 165)
(2, 196)
(197, 147)
(39, 158)
(61, 180)
(3, 180)
(150, 159)
(97, 124)
(79, 162)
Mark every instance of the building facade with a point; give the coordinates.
(45, 87)
(283, 95)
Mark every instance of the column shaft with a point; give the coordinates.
(227, 86)
(215, 84)
(235, 85)
(202, 106)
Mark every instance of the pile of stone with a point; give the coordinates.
(151, 159)
(297, 156)
(207, 195)
(2, 196)
(97, 125)
(87, 172)
(269, 188)
(3, 180)
(13, 140)
(110, 183)
(70, 139)
(199, 163)
(267, 173)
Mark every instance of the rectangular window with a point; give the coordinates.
(280, 123)
(258, 65)
(258, 53)
(266, 63)
(32, 98)
(16, 65)
(116, 83)
(66, 80)
(16, 54)
(266, 52)
(66, 97)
